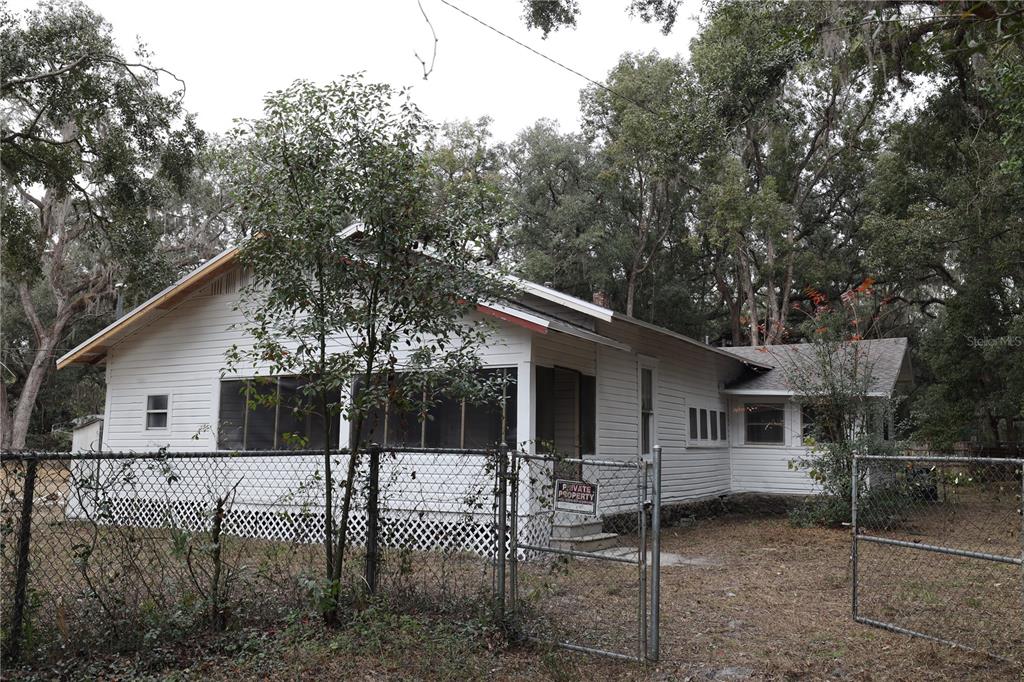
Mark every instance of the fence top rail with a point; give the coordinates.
(637, 463)
(45, 456)
(943, 459)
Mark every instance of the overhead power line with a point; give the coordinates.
(554, 61)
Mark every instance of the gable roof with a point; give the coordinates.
(886, 359)
(94, 349)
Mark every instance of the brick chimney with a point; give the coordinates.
(601, 298)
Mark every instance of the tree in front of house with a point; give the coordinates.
(365, 269)
(841, 414)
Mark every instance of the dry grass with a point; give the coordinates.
(778, 602)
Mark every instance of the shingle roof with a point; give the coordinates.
(796, 363)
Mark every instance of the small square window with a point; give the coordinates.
(156, 411)
(765, 423)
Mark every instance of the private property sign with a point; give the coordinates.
(579, 497)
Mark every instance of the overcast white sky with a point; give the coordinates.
(231, 53)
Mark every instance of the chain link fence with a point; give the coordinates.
(113, 552)
(581, 561)
(939, 549)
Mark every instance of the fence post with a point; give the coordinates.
(502, 540)
(853, 524)
(513, 539)
(373, 520)
(653, 644)
(21, 571)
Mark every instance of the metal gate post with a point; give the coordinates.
(653, 644)
(642, 555)
(502, 539)
(513, 540)
(853, 524)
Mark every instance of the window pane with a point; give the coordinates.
(646, 390)
(588, 414)
(807, 416)
(483, 422)
(765, 423)
(232, 415)
(721, 426)
(645, 432)
(156, 420)
(259, 429)
(299, 423)
(444, 423)
(703, 424)
(404, 425)
(714, 426)
(156, 402)
(693, 423)
(372, 430)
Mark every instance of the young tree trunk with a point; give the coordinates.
(631, 292)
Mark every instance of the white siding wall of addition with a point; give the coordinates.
(182, 355)
(685, 376)
(760, 468)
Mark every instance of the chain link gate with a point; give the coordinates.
(938, 550)
(584, 552)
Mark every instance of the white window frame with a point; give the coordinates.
(785, 422)
(147, 412)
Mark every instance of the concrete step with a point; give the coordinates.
(569, 531)
(594, 542)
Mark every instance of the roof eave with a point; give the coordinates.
(687, 339)
(94, 349)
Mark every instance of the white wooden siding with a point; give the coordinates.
(763, 468)
(182, 354)
(685, 376)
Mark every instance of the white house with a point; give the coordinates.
(594, 382)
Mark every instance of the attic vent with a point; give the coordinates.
(225, 284)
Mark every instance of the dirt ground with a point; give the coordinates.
(776, 601)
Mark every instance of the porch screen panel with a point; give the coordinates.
(444, 424)
(300, 423)
(274, 414)
(483, 422)
(231, 429)
(260, 422)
